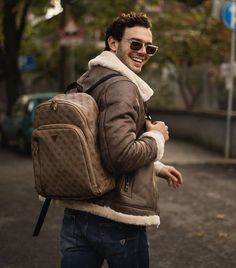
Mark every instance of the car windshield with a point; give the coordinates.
(24, 105)
(19, 107)
(30, 106)
(33, 103)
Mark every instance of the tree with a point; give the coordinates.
(186, 35)
(14, 20)
(12, 39)
(191, 3)
(189, 36)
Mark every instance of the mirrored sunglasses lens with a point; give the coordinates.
(151, 50)
(134, 45)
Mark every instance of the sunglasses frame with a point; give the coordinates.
(131, 40)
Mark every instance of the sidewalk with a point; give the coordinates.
(181, 152)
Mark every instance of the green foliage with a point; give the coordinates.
(184, 35)
(191, 36)
(184, 31)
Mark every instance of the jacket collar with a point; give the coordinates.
(109, 60)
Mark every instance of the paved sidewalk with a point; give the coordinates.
(197, 220)
(181, 152)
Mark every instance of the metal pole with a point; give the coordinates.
(231, 88)
(72, 63)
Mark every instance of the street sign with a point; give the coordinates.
(71, 34)
(26, 63)
(229, 15)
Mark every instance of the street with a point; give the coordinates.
(198, 221)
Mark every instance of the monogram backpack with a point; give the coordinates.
(66, 159)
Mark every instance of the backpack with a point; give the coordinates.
(65, 154)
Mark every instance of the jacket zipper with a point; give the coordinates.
(126, 189)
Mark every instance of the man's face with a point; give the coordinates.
(134, 60)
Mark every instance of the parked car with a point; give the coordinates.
(16, 129)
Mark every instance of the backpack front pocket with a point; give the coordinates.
(66, 170)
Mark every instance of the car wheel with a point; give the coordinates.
(3, 140)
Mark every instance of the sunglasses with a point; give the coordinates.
(137, 45)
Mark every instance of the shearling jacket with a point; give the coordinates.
(126, 153)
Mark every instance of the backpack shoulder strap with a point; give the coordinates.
(103, 79)
(79, 88)
(74, 85)
(42, 216)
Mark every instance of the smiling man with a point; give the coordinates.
(135, 47)
(113, 226)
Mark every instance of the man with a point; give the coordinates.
(112, 227)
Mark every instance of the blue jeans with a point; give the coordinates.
(87, 240)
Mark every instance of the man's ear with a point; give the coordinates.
(113, 43)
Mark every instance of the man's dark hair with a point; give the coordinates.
(117, 28)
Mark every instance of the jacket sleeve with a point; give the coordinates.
(121, 150)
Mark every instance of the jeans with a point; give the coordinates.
(87, 240)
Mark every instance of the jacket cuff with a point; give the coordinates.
(160, 141)
(158, 166)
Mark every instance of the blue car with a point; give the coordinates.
(16, 129)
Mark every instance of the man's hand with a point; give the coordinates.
(172, 175)
(158, 126)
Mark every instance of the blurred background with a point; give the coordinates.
(45, 45)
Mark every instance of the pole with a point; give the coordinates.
(231, 85)
(72, 64)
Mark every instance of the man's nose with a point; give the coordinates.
(142, 50)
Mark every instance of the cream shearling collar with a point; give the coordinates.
(109, 60)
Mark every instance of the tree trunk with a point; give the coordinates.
(63, 52)
(2, 75)
(12, 39)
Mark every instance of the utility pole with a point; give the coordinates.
(229, 17)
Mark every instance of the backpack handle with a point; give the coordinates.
(73, 85)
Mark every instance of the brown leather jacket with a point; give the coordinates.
(125, 155)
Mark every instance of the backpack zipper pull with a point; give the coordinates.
(54, 105)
